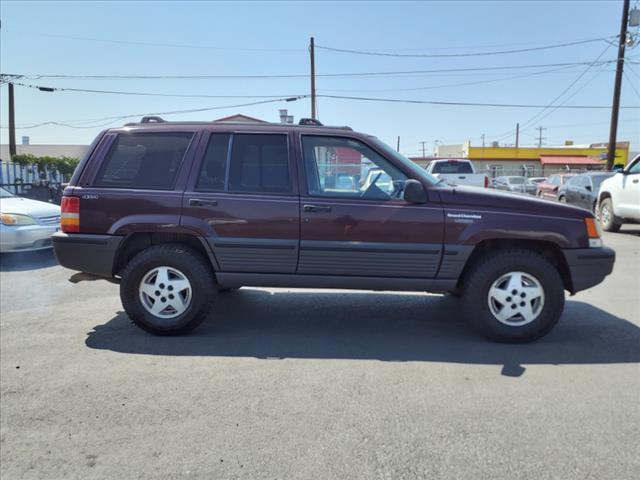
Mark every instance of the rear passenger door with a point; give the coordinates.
(243, 198)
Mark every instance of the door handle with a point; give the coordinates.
(196, 202)
(635, 180)
(316, 208)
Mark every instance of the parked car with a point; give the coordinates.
(457, 172)
(536, 180)
(514, 184)
(176, 212)
(26, 224)
(549, 188)
(582, 190)
(619, 198)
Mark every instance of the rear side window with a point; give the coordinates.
(144, 160)
(452, 167)
(259, 164)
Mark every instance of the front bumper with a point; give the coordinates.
(26, 238)
(86, 252)
(588, 266)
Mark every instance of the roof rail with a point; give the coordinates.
(152, 119)
(310, 121)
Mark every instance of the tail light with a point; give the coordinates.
(486, 182)
(70, 214)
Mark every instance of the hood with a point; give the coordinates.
(486, 198)
(26, 206)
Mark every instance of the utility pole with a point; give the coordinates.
(398, 147)
(423, 149)
(12, 123)
(615, 109)
(482, 137)
(517, 134)
(313, 78)
(540, 137)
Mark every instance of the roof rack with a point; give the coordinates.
(310, 121)
(152, 119)
(304, 122)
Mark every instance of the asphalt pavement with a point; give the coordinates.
(306, 384)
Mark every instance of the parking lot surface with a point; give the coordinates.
(314, 384)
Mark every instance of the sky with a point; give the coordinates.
(271, 38)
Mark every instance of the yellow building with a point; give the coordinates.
(497, 160)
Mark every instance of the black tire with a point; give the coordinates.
(608, 224)
(198, 272)
(562, 199)
(481, 276)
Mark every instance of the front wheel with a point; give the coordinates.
(515, 296)
(168, 289)
(562, 199)
(606, 216)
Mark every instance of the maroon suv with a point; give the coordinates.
(177, 212)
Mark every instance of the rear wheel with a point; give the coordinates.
(515, 296)
(606, 216)
(167, 289)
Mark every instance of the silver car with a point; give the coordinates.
(26, 224)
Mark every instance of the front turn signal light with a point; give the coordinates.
(593, 232)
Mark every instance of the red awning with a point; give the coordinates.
(568, 160)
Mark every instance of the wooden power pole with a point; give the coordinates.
(615, 108)
(313, 78)
(12, 123)
(517, 134)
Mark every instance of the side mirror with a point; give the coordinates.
(588, 188)
(414, 192)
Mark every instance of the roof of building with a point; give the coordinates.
(568, 160)
(240, 118)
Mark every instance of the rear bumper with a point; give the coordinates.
(589, 266)
(88, 253)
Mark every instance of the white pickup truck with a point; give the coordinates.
(619, 198)
(457, 172)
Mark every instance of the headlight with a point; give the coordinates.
(15, 219)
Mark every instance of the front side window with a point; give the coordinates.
(554, 180)
(144, 160)
(344, 167)
(259, 164)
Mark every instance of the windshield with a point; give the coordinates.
(416, 171)
(452, 167)
(5, 193)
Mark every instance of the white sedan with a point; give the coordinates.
(26, 224)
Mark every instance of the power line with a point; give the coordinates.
(172, 45)
(447, 85)
(633, 87)
(112, 119)
(149, 94)
(473, 54)
(38, 76)
(537, 117)
(471, 104)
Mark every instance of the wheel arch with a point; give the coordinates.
(135, 243)
(549, 250)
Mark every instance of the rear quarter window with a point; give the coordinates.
(144, 160)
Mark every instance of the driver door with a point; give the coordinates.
(354, 221)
